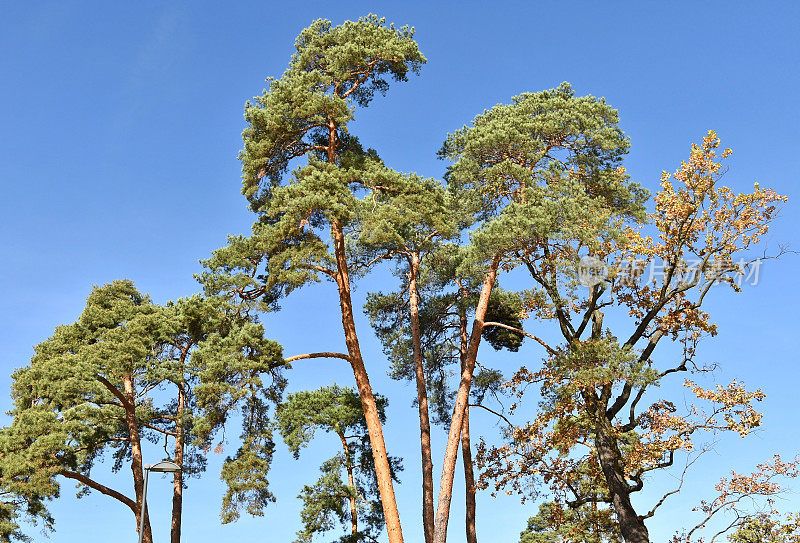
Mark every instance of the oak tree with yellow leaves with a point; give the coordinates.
(602, 427)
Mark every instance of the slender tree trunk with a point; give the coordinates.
(177, 483)
(351, 482)
(469, 479)
(383, 472)
(422, 402)
(353, 508)
(136, 455)
(466, 445)
(453, 438)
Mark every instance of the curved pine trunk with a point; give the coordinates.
(383, 472)
(453, 438)
(422, 402)
(136, 456)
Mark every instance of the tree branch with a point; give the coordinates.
(493, 412)
(100, 488)
(316, 355)
(524, 333)
(622, 399)
(114, 390)
(317, 267)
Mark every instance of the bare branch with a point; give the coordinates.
(100, 488)
(316, 355)
(493, 412)
(524, 333)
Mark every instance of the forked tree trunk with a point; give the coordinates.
(177, 483)
(453, 438)
(630, 525)
(383, 472)
(422, 402)
(136, 455)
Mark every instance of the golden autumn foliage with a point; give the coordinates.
(736, 494)
(601, 425)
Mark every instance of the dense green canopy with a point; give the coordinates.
(130, 370)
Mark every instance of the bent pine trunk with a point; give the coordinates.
(136, 456)
(383, 472)
(453, 438)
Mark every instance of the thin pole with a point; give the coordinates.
(144, 504)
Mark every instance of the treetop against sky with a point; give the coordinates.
(120, 154)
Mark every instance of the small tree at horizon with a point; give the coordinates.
(354, 501)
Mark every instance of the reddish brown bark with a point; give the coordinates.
(422, 402)
(462, 399)
(100, 488)
(466, 445)
(383, 472)
(136, 454)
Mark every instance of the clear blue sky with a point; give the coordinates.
(120, 124)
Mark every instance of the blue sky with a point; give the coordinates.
(120, 124)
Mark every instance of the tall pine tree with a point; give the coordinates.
(303, 121)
